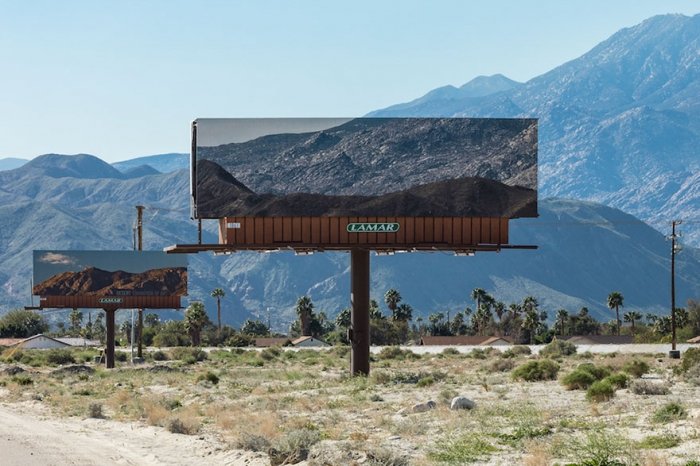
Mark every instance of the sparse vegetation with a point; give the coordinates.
(646, 387)
(558, 349)
(636, 368)
(289, 403)
(670, 412)
(532, 371)
(601, 390)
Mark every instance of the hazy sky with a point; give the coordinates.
(120, 79)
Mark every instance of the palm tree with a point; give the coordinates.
(218, 293)
(615, 300)
(195, 320)
(499, 309)
(479, 295)
(531, 323)
(76, 321)
(344, 318)
(403, 313)
(305, 309)
(562, 315)
(632, 316)
(392, 298)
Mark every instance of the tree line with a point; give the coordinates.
(398, 323)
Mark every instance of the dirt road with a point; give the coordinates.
(28, 437)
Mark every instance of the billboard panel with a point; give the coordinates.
(109, 275)
(364, 167)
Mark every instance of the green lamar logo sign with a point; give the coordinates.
(110, 300)
(373, 227)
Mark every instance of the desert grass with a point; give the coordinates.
(289, 404)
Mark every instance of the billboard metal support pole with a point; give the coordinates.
(359, 297)
(109, 346)
(139, 226)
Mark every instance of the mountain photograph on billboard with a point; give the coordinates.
(109, 273)
(388, 167)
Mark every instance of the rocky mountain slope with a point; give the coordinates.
(586, 251)
(93, 281)
(619, 125)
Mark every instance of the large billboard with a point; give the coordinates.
(364, 167)
(109, 275)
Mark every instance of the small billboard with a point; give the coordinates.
(112, 277)
(364, 167)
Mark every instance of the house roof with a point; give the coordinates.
(692, 340)
(602, 339)
(305, 338)
(41, 335)
(77, 341)
(9, 341)
(461, 340)
(265, 342)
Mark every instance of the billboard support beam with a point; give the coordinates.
(359, 297)
(109, 346)
(139, 226)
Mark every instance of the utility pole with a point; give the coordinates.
(675, 354)
(139, 231)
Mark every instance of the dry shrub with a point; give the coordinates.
(184, 422)
(245, 424)
(154, 412)
(538, 454)
(646, 387)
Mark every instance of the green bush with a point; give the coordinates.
(515, 351)
(394, 352)
(599, 372)
(451, 352)
(670, 412)
(268, 354)
(426, 381)
(22, 379)
(188, 355)
(120, 356)
(691, 358)
(558, 348)
(209, 377)
(659, 442)
(532, 371)
(636, 368)
(462, 449)
(602, 390)
(578, 380)
(60, 356)
(159, 356)
(501, 365)
(618, 380)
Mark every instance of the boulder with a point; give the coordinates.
(462, 402)
(423, 407)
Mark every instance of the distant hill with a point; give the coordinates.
(164, 163)
(9, 163)
(140, 170)
(619, 125)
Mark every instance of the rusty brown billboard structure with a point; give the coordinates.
(361, 185)
(109, 280)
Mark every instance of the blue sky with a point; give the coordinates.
(122, 79)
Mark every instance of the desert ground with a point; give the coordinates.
(277, 406)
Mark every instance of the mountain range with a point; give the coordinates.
(618, 126)
(93, 281)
